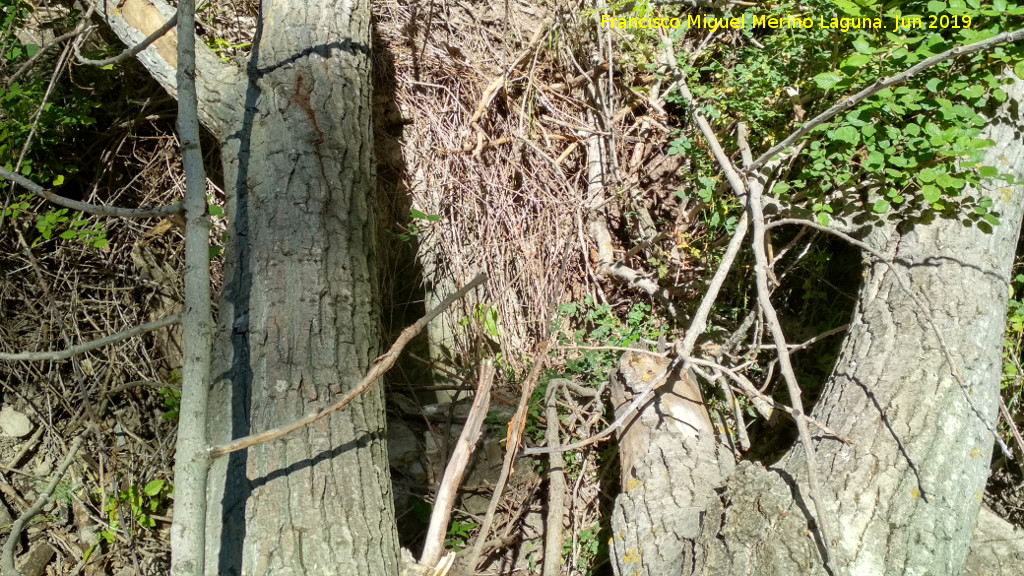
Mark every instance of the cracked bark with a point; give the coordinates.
(297, 318)
(905, 494)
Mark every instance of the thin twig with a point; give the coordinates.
(1012, 425)
(130, 52)
(556, 486)
(7, 560)
(512, 443)
(747, 388)
(86, 206)
(82, 26)
(445, 499)
(878, 86)
(98, 343)
(380, 366)
(775, 327)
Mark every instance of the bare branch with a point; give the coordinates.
(85, 206)
(512, 443)
(82, 26)
(445, 500)
(556, 486)
(129, 52)
(879, 85)
(7, 560)
(747, 388)
(192, 462)
(95, 344)
(380, 366)
(792, 386)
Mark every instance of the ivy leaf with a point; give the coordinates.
(881, 207)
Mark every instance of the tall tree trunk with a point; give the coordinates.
(298, 316)
(904, 494)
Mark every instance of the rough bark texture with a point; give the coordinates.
(298, 304)
(904, 495)
(297, 318)
(670, 469)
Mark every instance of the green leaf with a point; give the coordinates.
(154, 488)
(1018, 69)
(988, 171)
(862, 47)
(881, 207)
(414, 213)
(827, 80)
(855, 60)
(850, 8)
(875, 161)
(931, 193)
(973, 92)
(216, 211)
(823, 219)
(847, 134)
(781, 188)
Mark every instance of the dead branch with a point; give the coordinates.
(380, 366)
(878, 86)
(7, 559)
(445, 499)
(556, 486)
(85, 206)
(98, 343)
(128, 52)
(512, 443)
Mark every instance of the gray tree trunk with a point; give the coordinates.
(297, 318)
(904, 495)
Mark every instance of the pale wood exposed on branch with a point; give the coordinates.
(453, 472)
(132, 51)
